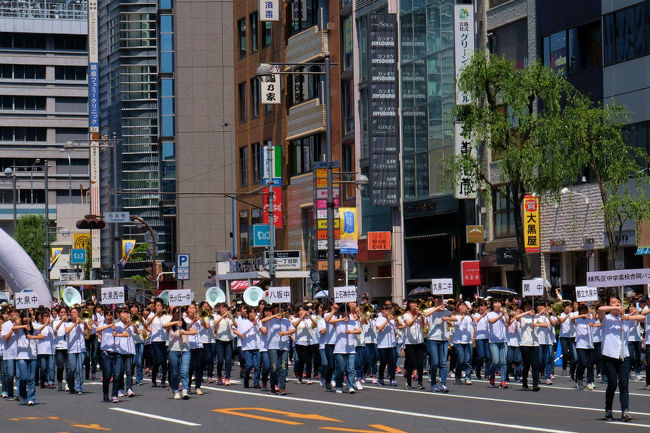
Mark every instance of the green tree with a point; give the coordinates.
(30, 234)
(140, 253)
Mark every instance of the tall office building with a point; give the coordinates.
(43, 105)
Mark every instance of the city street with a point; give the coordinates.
(307, 408)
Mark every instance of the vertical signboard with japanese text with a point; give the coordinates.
(93, 126)
(463, 43)
(348, 230)
(531, 224)
(270, 89)
(465, 188)
(320, 214)
(270, 10)
(383, 111)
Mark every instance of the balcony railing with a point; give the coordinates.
(44, 9)
(308, 45)
(305, 119)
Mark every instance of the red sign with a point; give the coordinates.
(277, 207)
(470, 272)
(379, 241)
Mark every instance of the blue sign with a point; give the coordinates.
(183, 267)
(77, 256)
(261, 235)
(93, 95)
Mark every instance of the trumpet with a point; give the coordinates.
(205, 315)
(367, 310)
(136, 319)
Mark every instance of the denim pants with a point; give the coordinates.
(92, 355)
(569, 353)
(279, 361)
(370, 360)
(618, 374)
(251, 362)
(208, 359)
(110, 368)
(634, 347)
(158, 361)
(483, 353)
(463, 360)
(498, 353)
(196, 367)
(530, 357)
(345, 363)
(329, 352)
(46, 369)
(224, 358)
(546, 360)
(179, 368)
(265, 366)
(359, 361)
(387, 358)
(26, 375)
(438, 352)
(138, 361)
(10, 372)
(513, 356)
(324, 365)
(585, 361)
(75, 377)
(3, 376)
(126, 378)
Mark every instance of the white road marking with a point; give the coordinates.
(570, 388)
(158, 417)
(394, 411)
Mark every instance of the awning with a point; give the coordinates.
(239, 286)
(642, 251)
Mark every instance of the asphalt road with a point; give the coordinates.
(307, 408)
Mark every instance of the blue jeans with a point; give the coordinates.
(126, 376)
(463, 360)
(329, 352)
(370, 364)
(324, 366)
(75, 377)
(265, 362)
(208, 358)
(546, 359)
(499, 353)
(359, 361)
(138, 362)
(179, 367)
(110, 368)
(345, 362)
(634, 347)
(224, 358)
(483, 353)
(10, 372)
(46, 369)
(279, 361)
(569, 353)
(513, 356)
(438, 353)
(251, 362)
(26, 375)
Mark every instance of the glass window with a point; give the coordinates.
(256, 155)
(504, 216)
(362, 35)
(507, 41)
(585, 47)
(254, 34)
(348, 105)
(242, 102)
(243, 165)
(267, 37)
(304, 152)
(627, 33)
(241, 31)
(167, 87)
(347, 43)
(168, 150)
(305, 15)
(165, 4)
(255, 98)
(243, 232)
(363, 121)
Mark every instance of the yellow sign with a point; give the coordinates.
(475, 234)
(56, 253)
(322, 224)
(531, 224)
(349, 233)
(127, 249)
(81, 240)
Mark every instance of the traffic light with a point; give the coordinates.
(92, 222)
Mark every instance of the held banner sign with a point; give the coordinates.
(345, 294)
(112, 295)
(534, 287)
(586, 293)
(442, 286)
(279, 295)
(531, 224)
(180, 298)
(24, 300)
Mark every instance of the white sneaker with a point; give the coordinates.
(637, 378)
(120, 393)
(198, 391)
(351, 390)
(333, 383)
(358, 385)
(177, 395)
(374, 380)
(339, 391)
(30, 403)
(186, 396)
(309, 382)
(130, 393)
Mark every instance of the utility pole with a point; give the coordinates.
(46, 265)
(116, 238)
(269, 151)
(330, 181)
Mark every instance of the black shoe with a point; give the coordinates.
(609, 416)
(536, 388)
(524, 385)
(106, 399)
(257, 386)
(420, 386)
(246, 384)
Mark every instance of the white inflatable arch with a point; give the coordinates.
(19, 271)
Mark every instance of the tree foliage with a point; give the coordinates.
(30, 234)
(536, 134)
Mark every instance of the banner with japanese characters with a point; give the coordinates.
(623, 277)
(463, 43)
(179, 298)
(586, 293)
(279, 295)
(112, 295)
(531, 224)
(269, 10)
(465, 189)
(345, 294)
(24, 300)
(534, 287)
(271, 93)
(442, 286)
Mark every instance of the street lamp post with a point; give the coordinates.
(9, 172)
(67, 151)
(269, 151)
(46, 264)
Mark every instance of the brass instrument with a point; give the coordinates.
(285, 314)
(397, 312)
(423, 305)
(145, 334)
(136, 319)
(367, 310)
(86, 315)
(205, 315)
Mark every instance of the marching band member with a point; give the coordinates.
(60, 346)
(584, 346)
(360, 350)
(646, 312)
(437, 342)
(463, 333)
(265, 361)
(123, 333)
(75, 332)
(26, 359)
(304, 324)
(10, 330)
(481, 340)
(247, 330)
(224, 332)
(542, 333)
(514, 360)
(634, 343)
(616, 355)
(92, 345)
(497, 336)
(179, 330)
(346, 326)
(45, 349)
(529, 344)
(322, 327)
(111, 360)
(158, 347)
(414, 343)
(568, 339)
(280, 329)
(196, 348)
(386, 344)
(206, 334)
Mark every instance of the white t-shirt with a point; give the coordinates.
(224, 329)
(194, 340)
(249, 330)
(124, 345)
(46, 345)
(596, 331)
(583, 334)
(633, 329)
(322, 324)
(107, 340)
(386, 336)
(26, 347)
(437, 326)
(60, 340)
(514, 336)
(481, 327)
(207, 334)
(345, 343)
(463, 330)
(568, 329)
(158, 333)
(527, 331)
(613, 345)
(369, 332)
(497, 330)
(543, 332)
(304, 334)
(274, 327)
(11, 345)
(414, 333)
(76, 338)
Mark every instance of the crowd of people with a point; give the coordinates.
(342, 347)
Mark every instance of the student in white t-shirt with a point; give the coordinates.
(585, 347)
(414, 348)
(568, 339)
(497, 336)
